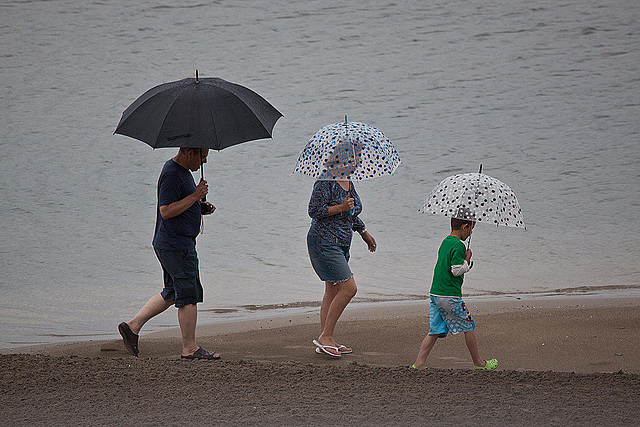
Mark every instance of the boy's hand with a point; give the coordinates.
(468, 257)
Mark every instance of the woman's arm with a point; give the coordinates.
(321, 197)
(345, 206)
(369, 240)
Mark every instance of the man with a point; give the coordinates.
(178, 220)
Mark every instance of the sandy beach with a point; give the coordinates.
(563, 361)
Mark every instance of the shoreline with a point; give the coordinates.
(379, 310)
(579, 334)
(245, 318)
(226, 318)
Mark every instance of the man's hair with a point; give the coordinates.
(185, 150)
(456, 224)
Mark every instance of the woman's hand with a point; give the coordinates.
(347, 204)
(369, 240)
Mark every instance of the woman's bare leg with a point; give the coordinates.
(330, 292)
(345, 292)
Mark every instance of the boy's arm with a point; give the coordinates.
(460, 269)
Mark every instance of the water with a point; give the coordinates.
(544, 95)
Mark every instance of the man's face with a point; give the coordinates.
(195, 160)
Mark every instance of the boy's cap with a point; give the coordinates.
(463, 212)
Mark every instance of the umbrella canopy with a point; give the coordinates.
(350, 150)
(202, 113)
(476, 197)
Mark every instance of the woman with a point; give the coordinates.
(334, 208)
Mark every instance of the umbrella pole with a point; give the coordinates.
(353, 150)
(475, 206)
(204, 199)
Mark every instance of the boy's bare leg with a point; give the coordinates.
(153, 307)
(425, 349)
(472, 345)
(187, 319)
(345, 292)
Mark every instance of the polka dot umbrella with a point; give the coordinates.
(348, 150)
(477, 197)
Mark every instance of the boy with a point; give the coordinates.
(447, 312)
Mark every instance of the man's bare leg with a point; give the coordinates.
(153, 307)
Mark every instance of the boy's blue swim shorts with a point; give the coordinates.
(449, 314)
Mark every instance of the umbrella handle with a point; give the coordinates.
(204, 199)
(353, 209)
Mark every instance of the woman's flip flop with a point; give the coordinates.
(339, 349)
(343, 350)
(324, 348)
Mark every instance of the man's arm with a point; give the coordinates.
(176, 208)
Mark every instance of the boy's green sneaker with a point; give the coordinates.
(489, 365)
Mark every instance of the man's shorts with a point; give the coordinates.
(181, 277)
(449, 314)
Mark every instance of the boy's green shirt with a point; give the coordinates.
(452, 252)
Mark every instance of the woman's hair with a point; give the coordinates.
(344, 159)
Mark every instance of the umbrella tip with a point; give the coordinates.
(480, 168)
(197, 77)
(345, 118)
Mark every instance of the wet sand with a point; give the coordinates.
(569, 361)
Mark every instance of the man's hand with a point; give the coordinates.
(202, 189)
(208, 208)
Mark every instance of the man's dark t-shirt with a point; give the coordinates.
(177, 233)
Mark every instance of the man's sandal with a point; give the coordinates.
(202, 354)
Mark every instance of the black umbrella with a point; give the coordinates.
(202, 113)
(207, 113)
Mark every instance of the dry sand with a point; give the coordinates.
(563, 361)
